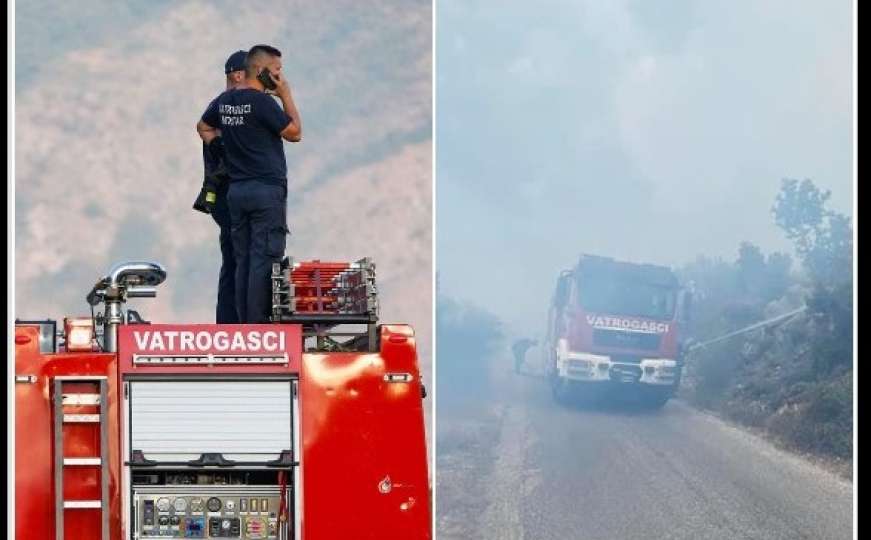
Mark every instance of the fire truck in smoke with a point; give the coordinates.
(310, 427)
(616, 326)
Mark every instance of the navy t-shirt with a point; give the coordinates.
(250, 122)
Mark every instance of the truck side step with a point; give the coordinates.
(81, 399)
(82, 504)
(82, 462)
(81, 419)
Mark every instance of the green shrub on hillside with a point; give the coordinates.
(793, 380)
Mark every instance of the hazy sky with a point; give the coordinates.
(650, 131)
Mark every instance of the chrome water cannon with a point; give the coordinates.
(125, 280)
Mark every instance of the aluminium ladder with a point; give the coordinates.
(61, 462)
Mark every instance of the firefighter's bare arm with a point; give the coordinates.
(206, 132)
(293, 131)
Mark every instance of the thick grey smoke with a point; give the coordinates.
(648, 131)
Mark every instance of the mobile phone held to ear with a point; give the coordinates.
(266, 79)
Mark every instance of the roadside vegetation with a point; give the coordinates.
(467, 338)
(793, 380)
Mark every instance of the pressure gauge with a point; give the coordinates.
(180, 505)
(163, 504)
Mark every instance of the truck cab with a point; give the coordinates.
(616, 327)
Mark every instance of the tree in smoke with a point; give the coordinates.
(762, 278)
(467, 338)
(795, 379)
(824, 241)
(823, 238)
(751, 268)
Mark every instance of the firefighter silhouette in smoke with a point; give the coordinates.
(253, 126)
(213, 200)
(519, 349)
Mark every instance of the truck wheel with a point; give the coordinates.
(561, 391)
(657, 399)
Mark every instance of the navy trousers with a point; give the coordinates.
(258, 213)
(225, 312)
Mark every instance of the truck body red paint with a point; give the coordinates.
(356, 467)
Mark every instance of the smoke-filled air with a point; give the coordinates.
(707, 148)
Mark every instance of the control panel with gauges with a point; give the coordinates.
(250, 513)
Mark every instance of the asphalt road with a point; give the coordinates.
(550, 472)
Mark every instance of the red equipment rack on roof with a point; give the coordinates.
(321, 295)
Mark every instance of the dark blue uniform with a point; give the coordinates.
(251, 122)
(225, 312)
(519, 349)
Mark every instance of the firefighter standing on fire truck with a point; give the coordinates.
(213, 200)
(252, 126)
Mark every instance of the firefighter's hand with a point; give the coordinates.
(205, 202)
(283, 87)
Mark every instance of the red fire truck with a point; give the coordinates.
(307, 428)
(616, 326)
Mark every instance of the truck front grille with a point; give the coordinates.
(626, 340)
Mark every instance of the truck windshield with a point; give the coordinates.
(614, 296)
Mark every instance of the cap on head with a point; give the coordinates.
(236, 62)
